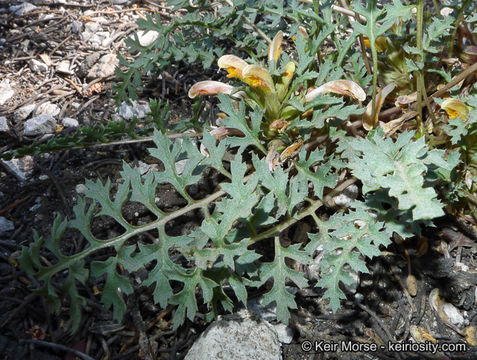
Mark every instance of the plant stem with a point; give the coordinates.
(374, 55)
(255, 27)
(307, 212)
(418, 74)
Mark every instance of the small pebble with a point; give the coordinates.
(6, 225)
(81, 189)
(37, 66)
(22, 113)
(104, 67)
(22, 168)
(6, 91)
(22, 9)
(47, 108)
(68, 122)
(40, 125)
(3, 124)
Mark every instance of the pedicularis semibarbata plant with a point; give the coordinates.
(295, 131)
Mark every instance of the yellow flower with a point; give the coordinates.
(381, 43)
(257, 76)
(342, 87)
(233, 64)
(455, 108)
(209, 87)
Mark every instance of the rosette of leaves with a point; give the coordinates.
(218, 263)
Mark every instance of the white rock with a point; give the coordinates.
(100, 20)
(22, 9)
(180, 166)
(35, 207)
(98, 38)
(453, 314)
(146, 39)
(91, 27)
(6, 91)
(3, 124)
(64, 67)
(461, 267)
(239, 337)
(284, 333)
(81, 189)
(446, 11)
(267, 313)
(145, 168)
(5, 225)
(68, 122)
(138, 109)
(104, 67)
(47, 108)
(37, 66)
(40, 125)
(355, 283)
(22, 168)
(346, 197)
(22, 113)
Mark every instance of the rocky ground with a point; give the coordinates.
(57, 61)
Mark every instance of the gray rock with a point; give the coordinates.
(47, 108)
(22, 9)
(241, 336)
(453, 314)
(6, 91)
(91, 27)
(87, 63)
(284, 333)
(180, 166)
(5, 225)
(68, 122)
(140, 110)
(145, 168)
(22, 168)
(76, 27)
(22, 113)
(100, 20)
(37, 66)
(64, 67)
(100, 38)
(3, 124)
(40, 125)
(104, 67)
(81, 189)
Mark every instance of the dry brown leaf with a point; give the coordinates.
(368, 122)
